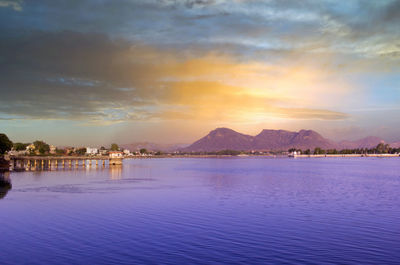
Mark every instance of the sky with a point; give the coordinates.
(92, 72)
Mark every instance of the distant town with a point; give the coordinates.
(40, 148)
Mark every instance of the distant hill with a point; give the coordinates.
(367, 142)
(221, 139)
(277, 140)
(395, 145)
(283, 140)
(153, 146)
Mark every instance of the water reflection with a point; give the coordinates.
(5, 183)
(115, 172)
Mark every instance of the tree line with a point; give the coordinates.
(381, 148)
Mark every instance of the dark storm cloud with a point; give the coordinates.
(392, 12)
(65, 74)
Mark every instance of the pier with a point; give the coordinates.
(22, 163)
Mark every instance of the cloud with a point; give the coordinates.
(357, 28)
(314, 114)
(91, 77)
(16, 5)
(392, 11)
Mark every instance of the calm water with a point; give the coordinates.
(206, 211)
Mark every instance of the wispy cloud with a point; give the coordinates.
(16, 5)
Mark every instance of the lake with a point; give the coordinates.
(206, 211)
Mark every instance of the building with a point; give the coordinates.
(30, 148)
(16, 153)
(116, 154)
(115, 157)
(53, 149)
(68, 150)
(91, 151)
(103, 152)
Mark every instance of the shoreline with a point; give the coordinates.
(197, 156)
(347, 155)
(268, 156)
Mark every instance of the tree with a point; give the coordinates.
(143, 151)
(41, 146)
(318, 151)
(382, 148)
(114, 147)
(60, 151)
(81, 151)
(5, 143)
(228, 152)
(20, 146)
(332, 152)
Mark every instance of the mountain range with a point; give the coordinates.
(278, 140)
(153, 146)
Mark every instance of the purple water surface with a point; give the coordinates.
(206, 211)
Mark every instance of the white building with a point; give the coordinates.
(103, 152)
(116, 154)
(91, 151)
(16, 153)
(53, 149)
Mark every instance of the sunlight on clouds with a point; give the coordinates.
(218, 87)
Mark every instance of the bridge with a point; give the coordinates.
(54, 162)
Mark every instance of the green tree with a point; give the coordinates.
(81, 151)
(60, 151)
(228, 152)
(382, 148)
(143, 151)
(41, 146)
(114, 147)
(332, 152)
(318, 151)
(20, 146)
(5, 143)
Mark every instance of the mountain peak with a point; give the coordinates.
(221, 139)
(277, 140)
(308, 132)
(267, 131)
(222, 130)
